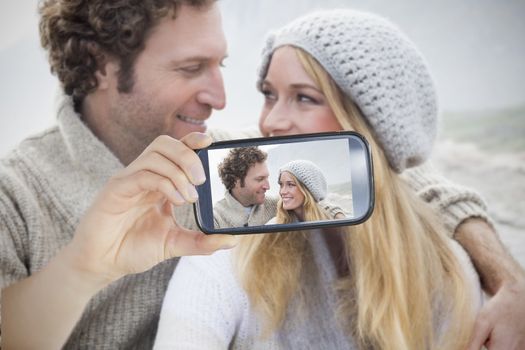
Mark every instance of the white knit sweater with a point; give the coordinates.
(211, 311)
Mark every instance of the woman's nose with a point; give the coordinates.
(276, 120)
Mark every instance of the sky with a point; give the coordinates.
(475, 50)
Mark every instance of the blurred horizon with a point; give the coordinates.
(493, 130)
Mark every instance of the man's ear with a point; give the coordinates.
(106, 73)
(237, 184)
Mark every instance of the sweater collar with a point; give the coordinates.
(84, 148)
(81, 164)
(241, 215)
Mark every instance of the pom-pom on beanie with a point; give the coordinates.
(378, 68)
(309, 175)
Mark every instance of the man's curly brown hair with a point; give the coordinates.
(79, 33)
(237, 163)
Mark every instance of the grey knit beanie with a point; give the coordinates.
(309, 175)
(378, 68)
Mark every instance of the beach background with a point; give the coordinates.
(486, 151)
(474, 48)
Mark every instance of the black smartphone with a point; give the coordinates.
(272, 184)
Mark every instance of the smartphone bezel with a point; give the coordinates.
(203, 208)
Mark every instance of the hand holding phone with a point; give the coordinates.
(285, 183)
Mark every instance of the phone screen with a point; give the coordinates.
(285, 183)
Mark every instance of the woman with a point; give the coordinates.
(394, 282)
(301, 186)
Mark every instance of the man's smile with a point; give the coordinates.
(191, 120)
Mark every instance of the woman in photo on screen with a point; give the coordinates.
(302, 186)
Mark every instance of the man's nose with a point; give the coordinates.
(213, 93)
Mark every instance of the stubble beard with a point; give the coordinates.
(135, 126)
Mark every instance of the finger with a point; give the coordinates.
(158, 164)
(179, 153)
(481, 333)
(188, 242)
(121, 190)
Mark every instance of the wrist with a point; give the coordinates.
(75, 271)
(515, 281)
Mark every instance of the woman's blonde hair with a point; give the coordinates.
(400, 265)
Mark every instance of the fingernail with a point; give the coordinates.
(198, 175)
(178, 196)
(192, 192)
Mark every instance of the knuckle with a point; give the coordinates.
(163, 139)
(165, 184)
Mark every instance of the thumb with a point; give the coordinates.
(481, 332)
(188, 242)
(196, 140)
(215, 242)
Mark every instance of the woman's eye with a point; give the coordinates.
(305, 98)
(268, 94)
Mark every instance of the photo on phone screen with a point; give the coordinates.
(285, 183)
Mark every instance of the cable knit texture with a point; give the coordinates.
(309, 175)
(381, 70)
(50, 179)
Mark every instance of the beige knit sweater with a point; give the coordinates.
(228, 212)
(48, 182)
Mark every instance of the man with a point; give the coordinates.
(86, 207)
(245, 176)
(135, 71)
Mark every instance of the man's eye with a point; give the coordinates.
(195, 68)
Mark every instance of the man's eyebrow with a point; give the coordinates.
(197, 58)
